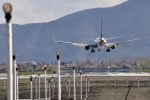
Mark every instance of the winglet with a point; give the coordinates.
(54, 38)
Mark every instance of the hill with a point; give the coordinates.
(34, 42)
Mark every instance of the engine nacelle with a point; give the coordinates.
(86, 47)
(113, 46)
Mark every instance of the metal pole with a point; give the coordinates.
(74, 82)
(127, 81)
(14, 68)
(138, 81)
(4, 85)
(81, 85)
(8, 11)
(69, 85)
(49, 90)
(45, 83)
(39, 84)
(36, 86)
(53, 86)
(115, 82)
(28, 84)
(59, 77)
(86, 87)
(17, 85)
(31, 87)
(77, 84)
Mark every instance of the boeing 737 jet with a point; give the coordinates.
(100, 42)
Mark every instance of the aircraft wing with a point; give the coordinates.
(112, 38)
(76, 44)
(124, 42)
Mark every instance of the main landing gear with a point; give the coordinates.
(99, 50)
(107, 50)
(92, 51)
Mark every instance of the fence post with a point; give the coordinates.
(36, 91)
(138, 81)
(53, 86)
(39, 84)
(69, 85)
(31, 87)
(127, 81)
(4, 85)
(115, 82)
(86, 86)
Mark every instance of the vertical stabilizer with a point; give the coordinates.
(101, 29)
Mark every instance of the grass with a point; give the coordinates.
(32, 73)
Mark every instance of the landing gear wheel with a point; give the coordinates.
(99, 50)
(108, 50)
(92, 51)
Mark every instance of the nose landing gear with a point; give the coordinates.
(92, 51)
(107, 50)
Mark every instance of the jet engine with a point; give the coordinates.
(113, 46)
(86, 47)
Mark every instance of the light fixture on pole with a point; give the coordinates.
(7, 8)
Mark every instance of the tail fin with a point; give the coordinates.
(101, 29)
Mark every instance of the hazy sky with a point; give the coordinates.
(32, 11)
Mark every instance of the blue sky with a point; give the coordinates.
(38, 11)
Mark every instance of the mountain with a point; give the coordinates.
(34, 42)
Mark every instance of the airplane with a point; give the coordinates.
(100, 42)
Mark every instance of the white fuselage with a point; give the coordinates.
(101, 43)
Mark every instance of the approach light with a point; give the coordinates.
(58, 55)
(30, 78)
(7, 8)
(16, 67)
(45, 66)
(80, 71)
(73, 66)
